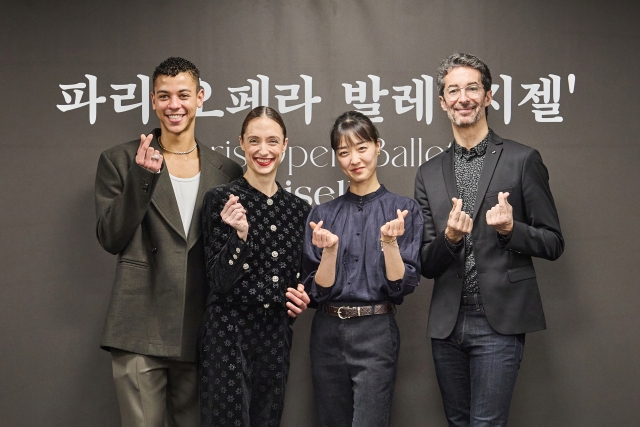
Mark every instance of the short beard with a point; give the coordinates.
(474, 119)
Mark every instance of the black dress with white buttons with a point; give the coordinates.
(245, 337)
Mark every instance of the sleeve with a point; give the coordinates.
(311, 256)
(540, 236)
(304, 212)
(226, 254)
(435, 254)
(121, 202)
(503, 239)
(454, 248)
(409, 244)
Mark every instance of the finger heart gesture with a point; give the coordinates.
(235, 215)
(500, 216)
(323, 238)
(459, 222)
(394, 228)
(148, 157)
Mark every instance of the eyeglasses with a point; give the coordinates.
(472, 91)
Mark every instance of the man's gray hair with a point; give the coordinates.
(463, 60)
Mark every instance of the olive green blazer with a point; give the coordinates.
(159, 289)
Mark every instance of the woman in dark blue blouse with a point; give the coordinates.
(361, 257)
(252, 232)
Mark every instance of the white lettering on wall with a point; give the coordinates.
(417, 97)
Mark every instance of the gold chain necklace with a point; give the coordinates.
(175, 152)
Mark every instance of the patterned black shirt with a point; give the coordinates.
(468, 167)
(258, 271)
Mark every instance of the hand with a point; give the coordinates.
(235, 215)
(500, 216)
(323, 238)
(147, 157)
(298, 300)
(394, 228)
(459, 222)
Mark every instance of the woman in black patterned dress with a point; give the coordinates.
(253, 232)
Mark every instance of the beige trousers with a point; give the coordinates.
(154, 391)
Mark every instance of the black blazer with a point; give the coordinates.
(506, 277)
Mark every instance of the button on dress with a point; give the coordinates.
(245, 338)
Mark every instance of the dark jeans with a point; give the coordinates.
(477, 370)
(353, 367)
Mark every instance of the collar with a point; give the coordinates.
(476, 151)
(242, 182)
(361, 200)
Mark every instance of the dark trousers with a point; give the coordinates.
(243, 366)
(477, 369)
(353, 367)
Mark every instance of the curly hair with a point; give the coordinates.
(463, 60)
(173, 66)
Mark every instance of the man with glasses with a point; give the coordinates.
(487, 210)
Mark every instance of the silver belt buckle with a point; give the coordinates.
(340, 314)
(347, 317)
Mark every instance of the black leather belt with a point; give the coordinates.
(346, 312)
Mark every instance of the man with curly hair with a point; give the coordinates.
(148, 197)
(487, 210)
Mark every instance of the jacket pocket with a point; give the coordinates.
(133, 263)
(490, 194)
(521, 273)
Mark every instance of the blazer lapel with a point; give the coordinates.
(494, 149)
(164, 199)
(210, 176)
(449, 173)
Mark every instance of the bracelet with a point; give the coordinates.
(390, 241)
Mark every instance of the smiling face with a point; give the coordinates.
(359, 160)
(263, 143)
(176, 100)
(465, 108)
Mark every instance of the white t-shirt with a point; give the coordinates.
(186, 191)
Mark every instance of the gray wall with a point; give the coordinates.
(56, 280)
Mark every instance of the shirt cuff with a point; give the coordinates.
(150, 171)
(235, 240)
(394, 285)
(453, 247)
(238, 250)
(321, 290)
(504, 239)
